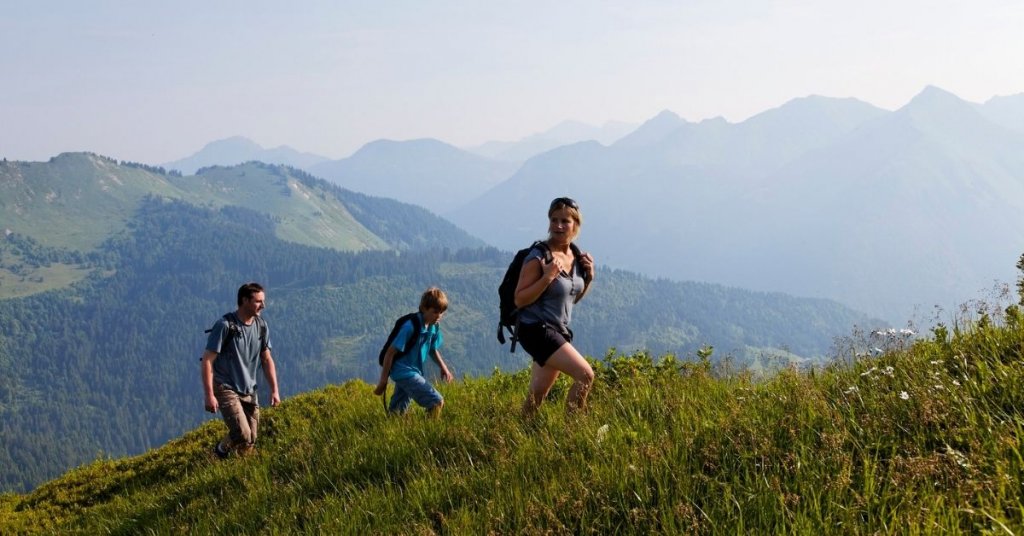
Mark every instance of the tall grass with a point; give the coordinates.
(923, 438)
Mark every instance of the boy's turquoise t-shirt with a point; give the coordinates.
(428, 340)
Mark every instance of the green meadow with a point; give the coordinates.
(919, 435)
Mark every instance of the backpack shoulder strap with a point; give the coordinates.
(543, 246)
(227, 317)
(264, 339)
(414, 318)
(577, 255)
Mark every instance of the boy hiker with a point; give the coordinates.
(405, 368)
(239, 345)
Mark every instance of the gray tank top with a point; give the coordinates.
(554, 306)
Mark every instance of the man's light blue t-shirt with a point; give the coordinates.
(428, 340)
(238, 356)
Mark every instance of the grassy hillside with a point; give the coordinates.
(304, 213)
(922, 438)
(78, 200)
(71, 205)
(75, 200)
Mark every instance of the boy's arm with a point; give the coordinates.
(446, 374)
(385, 370)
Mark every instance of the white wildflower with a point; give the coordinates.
(904, 395)
(958, 456)
(936, 362)
(907, 332)
(956, 383)
(602, 432)
(868, 371)
(939, 387)
(888, 371)
(851, 390)
(876, 350)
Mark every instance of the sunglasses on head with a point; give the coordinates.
(564, 201)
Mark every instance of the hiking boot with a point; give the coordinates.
(219, 452)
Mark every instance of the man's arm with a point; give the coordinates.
(206, 373)
(271, 373)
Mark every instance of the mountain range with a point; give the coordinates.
(898, 213)
(890, 212)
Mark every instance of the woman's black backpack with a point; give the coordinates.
(508, 318)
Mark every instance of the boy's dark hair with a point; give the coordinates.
(246, 291)
(434, 298)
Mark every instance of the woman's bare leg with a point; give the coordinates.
(541, 380)
(568, 360)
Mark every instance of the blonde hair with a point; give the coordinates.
(434, 298)
(574, 212)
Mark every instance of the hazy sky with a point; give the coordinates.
(155, 81)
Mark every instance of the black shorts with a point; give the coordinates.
(541, 340)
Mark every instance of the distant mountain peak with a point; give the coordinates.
(237, 139)
(666, 115)
(654, 129)
(419, 146)
(238, 149)
(932, 97)
(944, 114)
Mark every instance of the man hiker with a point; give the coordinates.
(238, 346)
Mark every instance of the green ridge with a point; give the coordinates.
(75, 202)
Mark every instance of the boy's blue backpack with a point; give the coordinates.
(410, 343)
(508, 319)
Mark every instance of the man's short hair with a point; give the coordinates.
(246, 291)
(434, 298)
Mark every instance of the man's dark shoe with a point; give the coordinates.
(222, 454)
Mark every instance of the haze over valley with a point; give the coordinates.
(819, 197)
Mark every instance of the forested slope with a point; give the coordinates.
(111, 364)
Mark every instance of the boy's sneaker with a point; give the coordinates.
(222, 454)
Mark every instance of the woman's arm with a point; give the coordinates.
(533, 279)
(587, 264)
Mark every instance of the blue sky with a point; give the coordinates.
(152, 83)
